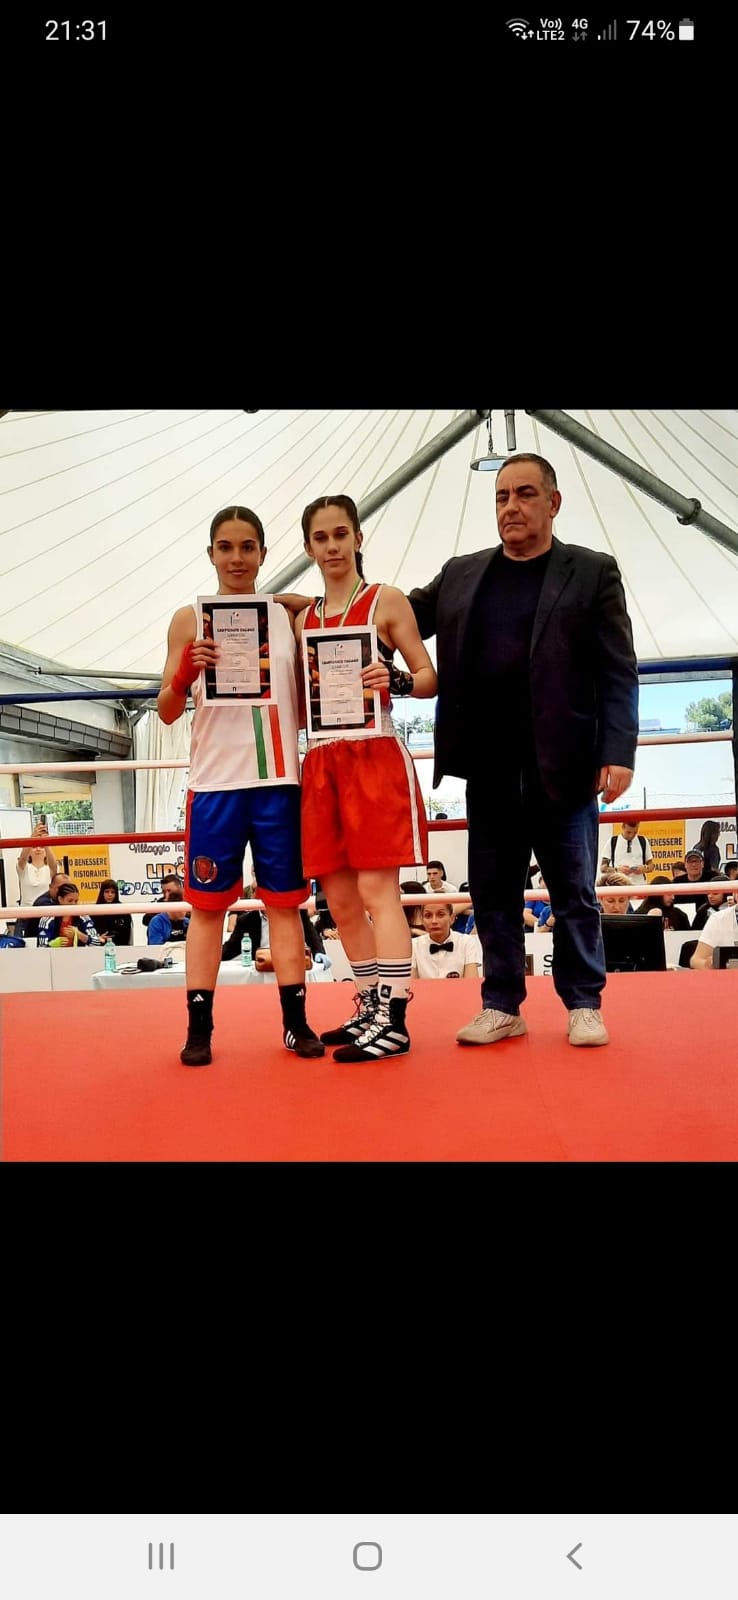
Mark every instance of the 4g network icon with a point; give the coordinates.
(545, 28)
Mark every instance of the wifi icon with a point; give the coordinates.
(519, 26)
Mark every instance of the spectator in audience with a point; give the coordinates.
(715, 899)
(665, 905)
(616, 905)
(170, 926)
(465, 921)
(324, 919)
(117, 929)
(28, 929)
(413, 914)
(65, 929)
(694, 872)
(630, 852)
(256, 925)
(169, 886)
(537, 913)
(731, 868)
(720, 929)
(436, 880)
(708, 844)
(36, 866)
(439, 953)
(678, 871)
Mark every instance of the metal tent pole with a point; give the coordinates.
(687, 511)
(436, 447)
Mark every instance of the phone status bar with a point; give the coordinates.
(615, 30)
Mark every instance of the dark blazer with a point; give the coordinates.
(583, 669)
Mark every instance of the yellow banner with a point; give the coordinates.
(87, 864)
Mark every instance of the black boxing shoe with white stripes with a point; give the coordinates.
(303, 1044)
(386, 1036)
(365, 1003)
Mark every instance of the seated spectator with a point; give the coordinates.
(324, 921)
(720, 929)
(537, 913)
(694, 872)
(731, 868)
(616, 905)
(64, 931)
(665, 905)
(464, 921)
(678, 871)
(715, 900)
(439, 953)
(256, 925)
(112, 930)
(605, 866)
(170, 884)
(436, 880)
(28, 929)
(243, 922)
(413, 914)
(170, 926)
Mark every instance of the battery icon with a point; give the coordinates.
(686, 28)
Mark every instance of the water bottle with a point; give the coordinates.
(111, 960)
(247, 959)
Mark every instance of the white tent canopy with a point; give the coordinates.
(105, 515)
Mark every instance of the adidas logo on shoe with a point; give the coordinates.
(303, 1044)
(387, 1036)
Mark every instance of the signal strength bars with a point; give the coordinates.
(609, 33)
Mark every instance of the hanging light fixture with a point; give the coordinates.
(492, 461)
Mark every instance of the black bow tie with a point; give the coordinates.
(436, 947)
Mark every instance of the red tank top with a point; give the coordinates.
(359, 614)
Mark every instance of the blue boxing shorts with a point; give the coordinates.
(218, 828)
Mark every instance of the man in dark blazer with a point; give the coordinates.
(536, 636)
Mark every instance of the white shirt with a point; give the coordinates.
(628, 853)
(720, 928)
(33, 881)
(444, 963)
(446, 888)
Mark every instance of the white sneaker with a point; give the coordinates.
(491, 1026)
(586, 1027)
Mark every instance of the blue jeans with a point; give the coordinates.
(507, 818)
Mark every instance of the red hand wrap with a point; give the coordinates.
(186, 672)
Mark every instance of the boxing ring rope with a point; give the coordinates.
(175, 837)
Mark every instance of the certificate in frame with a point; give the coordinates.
(241, 625)
(337, 703)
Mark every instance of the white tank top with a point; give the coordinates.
(238, 746)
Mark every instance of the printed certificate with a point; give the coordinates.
(241, 625)
(338, 705)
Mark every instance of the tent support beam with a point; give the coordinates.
(686, 511)
(436, 447)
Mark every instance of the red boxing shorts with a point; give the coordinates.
(361, 807)
(219, 826)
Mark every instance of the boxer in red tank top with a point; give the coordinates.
(362, 811)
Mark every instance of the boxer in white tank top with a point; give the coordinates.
(243, 789)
